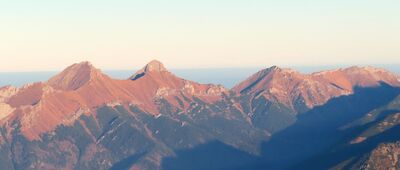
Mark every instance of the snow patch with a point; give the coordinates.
(183, 124)
(157, 116)
(113, 104)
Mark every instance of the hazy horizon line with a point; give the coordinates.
(212, 68)
(227, 77)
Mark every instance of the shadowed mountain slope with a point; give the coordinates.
(319, 129)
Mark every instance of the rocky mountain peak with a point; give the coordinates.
(75, 76)
(153, 66)
(263, 79)
(275, 70)
(274, 67)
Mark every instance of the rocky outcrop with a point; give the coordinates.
(385, 156)
(6, 92)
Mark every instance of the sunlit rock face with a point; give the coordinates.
(82, 86)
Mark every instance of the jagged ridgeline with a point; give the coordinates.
(276, 119)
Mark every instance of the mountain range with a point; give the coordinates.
(278, 118)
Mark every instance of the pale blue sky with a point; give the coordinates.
(121, 34)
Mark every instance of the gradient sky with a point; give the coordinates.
(122, 34)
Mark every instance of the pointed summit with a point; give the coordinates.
(274, 67)
(265, 78)
(75, 76)
(153, 66)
